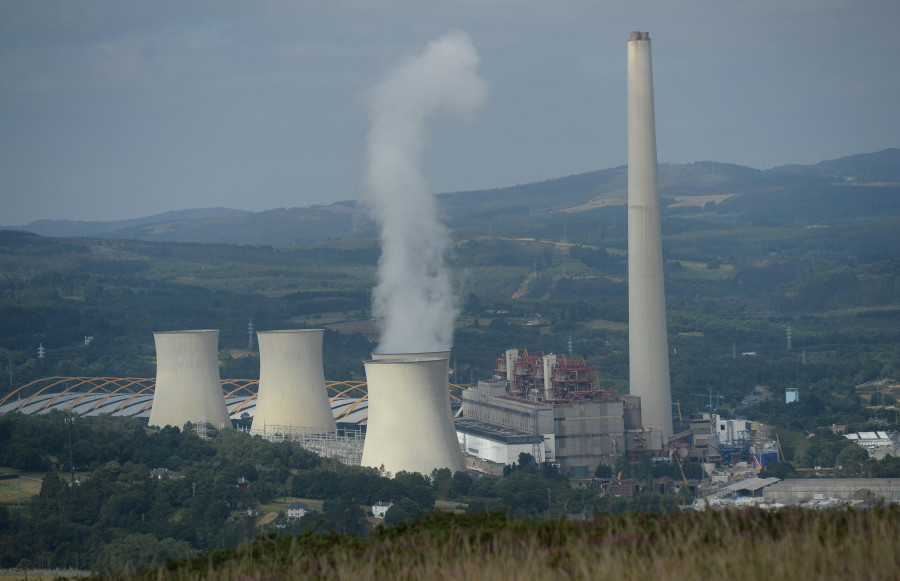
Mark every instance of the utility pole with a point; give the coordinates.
(70, 421)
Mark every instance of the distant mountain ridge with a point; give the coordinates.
(796, 194)
(62, 228)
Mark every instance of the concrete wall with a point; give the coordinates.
(843, 488)
(481, 403)
(588, 433)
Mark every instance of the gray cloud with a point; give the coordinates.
(117, 110)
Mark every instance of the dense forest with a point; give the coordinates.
(121, 514)
(118, 517)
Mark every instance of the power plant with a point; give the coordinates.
(291, 383)
(188, 388)
(550, 406)
(647, 342)
(410, 426)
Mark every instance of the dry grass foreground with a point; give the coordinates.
(791, 544)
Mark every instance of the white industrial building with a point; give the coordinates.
(871, 440)
(500, 422)
(410, 425)
(502, 445)
(292, 390)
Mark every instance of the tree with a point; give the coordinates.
(851, 461)
(403, 509)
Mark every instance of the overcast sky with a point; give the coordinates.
(112, 109)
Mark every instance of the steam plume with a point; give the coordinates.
(413, 302)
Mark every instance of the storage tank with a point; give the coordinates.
(410, 427)
(292, 390)
(188, 387)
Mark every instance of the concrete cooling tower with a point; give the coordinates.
(647, 342)
(415, 356)
(188, 387)
(292, 382)
(410, 426)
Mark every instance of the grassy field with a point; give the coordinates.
(22, 488)
(283, 502)
(738, 546)
(611, 325)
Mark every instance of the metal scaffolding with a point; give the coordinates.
(346, 446)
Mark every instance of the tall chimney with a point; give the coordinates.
(647, 341)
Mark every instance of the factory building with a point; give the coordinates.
(188, 388)
(410, 426)
(292, 390)
(648, 349)
(549, 407)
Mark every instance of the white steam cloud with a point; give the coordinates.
(413, 302)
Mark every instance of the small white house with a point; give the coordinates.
(380, 508)
(296, 510)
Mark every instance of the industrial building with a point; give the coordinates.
(188, 388)
(549, 406)
(291, 383)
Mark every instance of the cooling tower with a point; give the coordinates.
(410, 426)
(415, 356)
(188, 387)
(421, 356)
(647, 342)
(291, 382)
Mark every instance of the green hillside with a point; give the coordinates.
(857, 187)
(748, 255)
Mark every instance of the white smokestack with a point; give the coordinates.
(413, 301)
(648, 350)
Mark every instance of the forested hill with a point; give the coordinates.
(855, 188)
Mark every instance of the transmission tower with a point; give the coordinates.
(789, 338)
(250, 335)
(200, 427)
(41, 351)
(570, 344)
